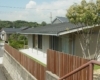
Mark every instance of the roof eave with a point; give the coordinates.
(74, 30)
(40, 34)
(63, 32)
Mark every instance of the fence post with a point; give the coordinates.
(91, 71)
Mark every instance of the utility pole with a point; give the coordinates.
(51, 17)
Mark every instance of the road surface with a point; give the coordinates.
(3, 72)
(1, 51)
(2, 75)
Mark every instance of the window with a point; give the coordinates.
(55, 43)
(33, 41)
(65, 44)
(40, 41)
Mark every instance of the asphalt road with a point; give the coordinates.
(2, 75)
(1, 51)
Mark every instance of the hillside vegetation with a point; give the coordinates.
(19, 23)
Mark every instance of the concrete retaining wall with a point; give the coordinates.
(50, 76)
(16, 71)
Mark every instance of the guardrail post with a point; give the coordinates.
(91, 71)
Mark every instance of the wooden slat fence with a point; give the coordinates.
(57, 62)
(61, 64)
(36, 69)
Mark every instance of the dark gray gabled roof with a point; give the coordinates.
(25, 27)
(61, 19)
(11, 30)
(53, 29)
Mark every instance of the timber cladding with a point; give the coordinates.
(36, 69)
(61, 64)
(58, 63)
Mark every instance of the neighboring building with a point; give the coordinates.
(61, 37)
(24, 28)
(60, 20)
(6, 32)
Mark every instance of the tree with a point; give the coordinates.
(43, 23)
(20, 23)
(35, 24)
(6, 24)
(86, 14)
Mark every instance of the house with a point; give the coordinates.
(24, 28)
(6, 32)
(61, 37)
(60, 20)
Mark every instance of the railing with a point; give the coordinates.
(90, 64)
(36, 69)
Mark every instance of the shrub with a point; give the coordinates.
(16, 44)
(17, 41)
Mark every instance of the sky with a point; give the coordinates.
(34, 10)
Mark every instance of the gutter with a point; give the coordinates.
(40, 34)
(74, 30)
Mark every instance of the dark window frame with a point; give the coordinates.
(34, 41)
(54, 42)
(40, 41)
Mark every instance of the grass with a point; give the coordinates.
(96, 67)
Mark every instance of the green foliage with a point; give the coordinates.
(85, 13)
(6, 24)
(22, 37)
(17, 41)
(88, 14)
(14, 36)
(16, 44)
(96, 67)
(43, 23)
(20, 23)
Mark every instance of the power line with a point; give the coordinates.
(6, 12)
(28, 8)
(13, 7)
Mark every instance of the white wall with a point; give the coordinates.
(45, 43)
(92, 48)
(3, 35)
(30, 42)
(56, 21)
